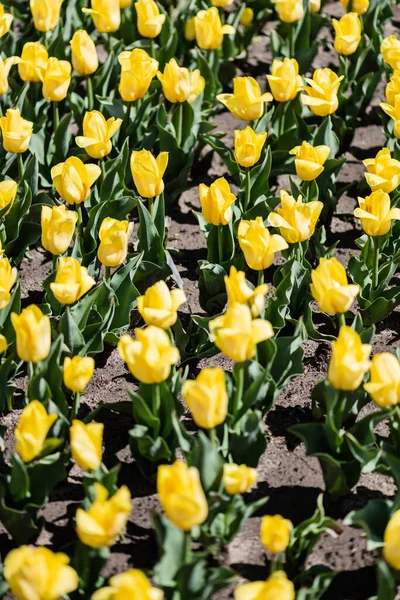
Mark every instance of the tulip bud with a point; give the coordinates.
(315, 6)
(330, 287)
(296, 220)
(275, 533)
(384, 383)
(33, 60)
(238, 479)
(37, 572)
(383, 172)
(3, 343)
(246, 102)
(359, 6)
(239, 292)
(56, 79)
(97, 134)
(73, 179)
(86, 444)
(33, 333)
(5, 67)
(190, 32)
(159, 305)
(58, 227)
(147, 172)
(289, 11)
(105, 519)
(16, 131)
(309, 160)
(207, 398)
(390, 49)
(375, 213)
(78, 371)
(248, 146)
(348, 33)
(45, 13)
(350, 360)
(180, 84)
(394, 113)
(236, 334)
(137, 72)
(393, 88)
(84, 53)
(149, 19)
(222, 3)
(32, 429)
(106, 15)
(258, 245)
(209, 30)
(277, 587)
(131, 584)
(322, 92)
(285, 81)
(8, 276)
(5, 21)
(181, 495)
(72, 281)
(247, 17)
(8, 193)
(216, 201)
(114, 237)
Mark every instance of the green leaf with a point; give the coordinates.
(19, 480)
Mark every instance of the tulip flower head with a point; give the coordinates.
(375, 213)
(207, 398)
(258, 245)
(137, 72)
(3, 343)
(5, 66)
(56, 78)
(285, 82)
(158, 306)
(58, 227)
(238, 479)
(180, 84)
(384, 383)
(86, 444)
(350, 360)
(131, 584)
(393, 112)
(16, 131)
(190, 33)
(322, 93)
(73, 179)
(277, 587)
(33, 332)
(275, 533)
(148, 171)
(209, 30)
(315, 6)
(72, 281)
(239, 292)
(45, 13)
(8, 193)
(247, 17)
(359, 6)
(348, 33)
(390, 49)
(248, 146)
(289, 11)
(34, 58)
(330, 287)
(106, 15)
(149, 19)
(97, 134)
(310, 160)
(114, 237)
(5, 21)
(296, 220)
(393, 88)
(78, 371)
(32, 429)
(246, 103)
(216, 202)
(391, 540)
(124, 3)
(84, 53)
(8, 276)
(222, 3)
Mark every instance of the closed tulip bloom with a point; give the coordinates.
(315, 6)
(296, 220)
(150, 356)
(104, 521)
(258, 245)
(285, 81)
(137, 72)
(32, 429)
(73, 179)
(131, 584)
(375, 213)
(148, 171)
(277, 587)
(349, 361)
(330, 287)
(86, 444)
(275, 533)
(34, 58)
(149, 19)
(310, 160)
(383, 172)
(8, 193)
(322, 98)
(246, 103)
(3, 343)
(56, 79)
(207, 398)
(8, 276)
(239, 292)
(45, 13)
(5, 21)
(78, 371)
(289, 11)
(158, 306)
(390, 49)
(359, 6)
(236, 334)
(106, 15)
(97, 134)
(181, 495)
(248, 146)
(393, 112)
(190, 32)
(5, 67)
(33, 333)
(391, 538)
(84, 53)
(384, 383)
(247, 17)
(348, 33)
(209, 30)
(238, 479)
(393, 88)
(216, 201)
(37, 573)
(114, 237)
(16, 131)
(72, 281)
(180, 84)
(222, 3)
(58, 228)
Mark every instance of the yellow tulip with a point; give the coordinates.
(181, 495)
(104, 521)
(296, 220)
(390, 49)
(246, 102)
(114, 237)
(73, 179)
(349, 361)
(330, 287)
(359, 6)
(236, 334)
(5, 67)
(106, 15)
(97, 134)
(84, 53)
(86, 444)
(375, 213)
(258, 245)
(45, 13)
(277, 587)
(391, 540)
(131, 584)
(238, 479)
(190, 32)
(209, 30)
(150, 356)
(5, 21)
(8, 276)
(239, 292)
(37, 573)
(289, 11)
(149, 19)
(58, 227)
(56, 78)
(137, 72)
(3, 343)
(124, 3)
(322, 92)
(158, 306)
(216, 201)
(207, 398)
(310, 160)
(315, 6)
(247, 17)
(148, 171)
(33, 333)
(285, 81)
(33, 426)
(16, 131)
(72, 281)
(8, 193)
(393, 88)
(393, 112)
(222, 3)
(384, 383)
(275, 533)
(248, 146)
(348, 33)
(33, 60)
(78, 371)
(180, 84)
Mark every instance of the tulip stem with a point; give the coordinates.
(55, 259)
(247, 190)
(213, 437)
(20, 166)
(56, 118)
(187, 548)
(260, 277)
(127, 118)
(178, 123)
(89, 89)
(221, 243)
(375, 267)
(151, 206)
(342, 320)
(75, 406)
(107, 276)
(155, 406)
(237, 398)
(152, 49)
